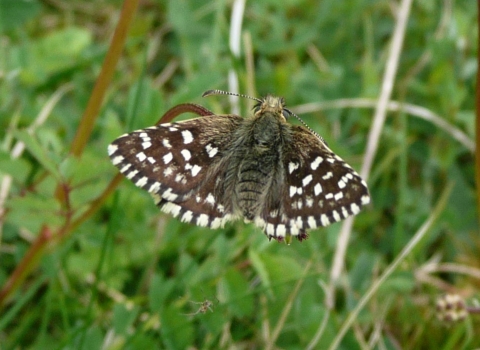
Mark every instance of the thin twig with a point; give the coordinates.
(452, 268)
(235, 43)
(477, 119)
(249, 67)
(165, 74)
(392, 106)
(105, 77)
(318, 334)
(287, 308)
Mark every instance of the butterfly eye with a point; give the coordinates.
(286, 113)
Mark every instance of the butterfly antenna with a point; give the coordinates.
(305, 124)
(221, 92)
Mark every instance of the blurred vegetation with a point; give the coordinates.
(79, 270)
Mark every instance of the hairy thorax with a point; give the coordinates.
(261, 153)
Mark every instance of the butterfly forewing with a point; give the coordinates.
(174, 161)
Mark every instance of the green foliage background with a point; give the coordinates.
(127, 276)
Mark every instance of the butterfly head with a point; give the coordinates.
(274, 105)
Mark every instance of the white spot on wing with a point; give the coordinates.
(142, 182)
(292, 167)
(196, 169)
(179, 177)
(171, 208)
(216, 223)
(212, 151)
(318, 189)
(327, 175)
(186, 154)
(312, 222)
(307, 179)
(141, 156)
(187, 136)
(202, 220)
(166, 143)
(294, 230)
(309, 202)
(299, 222)
(259, 222)
(131, 174)
(324, 220)
(281, 230)
(293, 190)
(117, 160)
(155, 187)
(338, 196)
(168, 195)
(187, 216)
(354, 208)
(210, 199)
(270, 230)
(167, 158)
(316, 163)
(125, 168)
(112, 149)
(365, 200)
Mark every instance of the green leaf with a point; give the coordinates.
(278, 269)
(235, 291)
(14, 13)
(261, 270)
(361, 273)
(32, 212)
(37, 151)
(160, 288)
(18, 168)
(52, 54)
(177, 330)
(123, 317)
